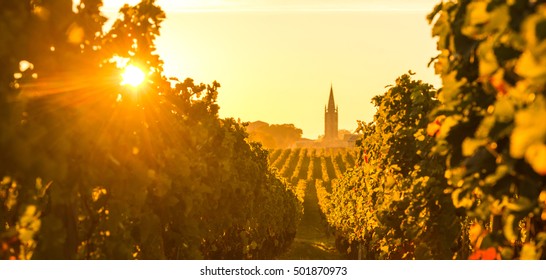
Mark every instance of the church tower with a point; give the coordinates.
(330, 119)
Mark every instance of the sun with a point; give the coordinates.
(132, 76)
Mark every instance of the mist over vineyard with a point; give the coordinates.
(102, 156)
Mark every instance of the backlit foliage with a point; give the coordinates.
(90, 170)
(490, 124)
(392, 205)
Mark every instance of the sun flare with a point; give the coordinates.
(132, 76)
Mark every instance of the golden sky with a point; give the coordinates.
(276, 59)
(300, 5)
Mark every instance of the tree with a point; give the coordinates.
(275, 136)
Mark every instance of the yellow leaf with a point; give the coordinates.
(529, 252)
(389, 181)
(504, 109)
(477, 13)
(419, 135)
(530, 128)
(536, 157)
(479, 22)
(447, 124)
(531, 67)
(470, 145)
(488, 60)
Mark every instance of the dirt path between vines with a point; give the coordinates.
(312, 240)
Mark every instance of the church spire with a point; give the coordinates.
(331, 103)
(330, 118)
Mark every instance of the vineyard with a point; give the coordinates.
(310, 164)
(311, 172)
(95, 167)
